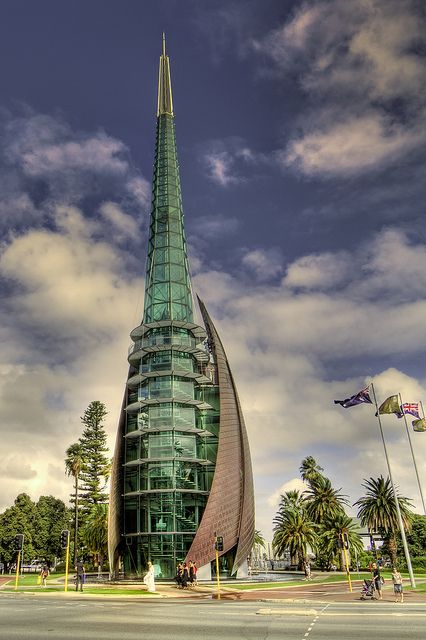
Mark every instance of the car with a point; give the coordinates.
(33, 567)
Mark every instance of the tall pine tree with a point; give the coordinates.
(95, 465)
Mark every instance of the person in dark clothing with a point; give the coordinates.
(185, 576)
(191, 573)
(377, 579)
(79, 578)
(178, 577)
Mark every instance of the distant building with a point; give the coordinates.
(182, 469)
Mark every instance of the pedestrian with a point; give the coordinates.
(185, 576)
(397, 585)
(149, 580)
(191, 573)
(377, 578)
(178, 577)
(194, 567)
(43, 575)
(307, 570)
(80, 575)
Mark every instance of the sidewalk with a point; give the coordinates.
(308, 592)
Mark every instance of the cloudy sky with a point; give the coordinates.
(301, 137)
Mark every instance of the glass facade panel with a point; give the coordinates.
(132, 449)
(131, 509)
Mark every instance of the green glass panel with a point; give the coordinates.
(132, 449)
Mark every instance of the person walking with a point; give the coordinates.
(43, 574)
(191, 573)
(185, 576)
(80, 575)
(377, 578)
(178, 577)
(397, 585)
(149, 580)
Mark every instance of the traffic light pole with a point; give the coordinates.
(67, 559)
(348, 573)
(217, 574)
(18, 567)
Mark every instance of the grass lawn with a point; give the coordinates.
(29, 583)
(317, 579)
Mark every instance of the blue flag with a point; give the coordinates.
(359, 398)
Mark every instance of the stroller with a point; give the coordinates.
(368, 590)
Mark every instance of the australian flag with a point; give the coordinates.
(359, 398)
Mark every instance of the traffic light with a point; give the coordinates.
(345, 540)
(65, 538)
(18, 542)
(219, 543)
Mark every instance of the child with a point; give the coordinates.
(397, 585)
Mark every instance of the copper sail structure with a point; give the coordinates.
(181, 470)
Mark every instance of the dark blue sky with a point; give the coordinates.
(301, 139)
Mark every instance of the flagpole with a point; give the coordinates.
(398, 510)
(412, 453)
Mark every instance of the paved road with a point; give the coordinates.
(25, 617)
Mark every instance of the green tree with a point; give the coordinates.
(259, 539)
(377, 510)
(331, 536)
(50, 518)
(291, 500)
(73, 464)
(95, 532)
(322, 501)
(20, 518)
(416, 540)
(310, 469)
(95, 467)
(295, 532)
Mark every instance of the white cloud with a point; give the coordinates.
(77, 280)
(140, 188)
(350, 147)
(231, 161)
(318, 271)
(395, 265)
(45, 164)
(95, 154)
(295, 484)
(125, 224)
(264, 264)
(220, 165)
(364, 80)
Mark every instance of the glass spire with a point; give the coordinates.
(167, 287)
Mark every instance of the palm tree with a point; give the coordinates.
(377, 510)
(322, 502)
(259, 539)
(73, 463)
(291, 500)
(95, 532)
(331, 537)
(310, 469)
(295, 532)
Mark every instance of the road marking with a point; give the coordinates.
(377, 614)
(286, 612)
